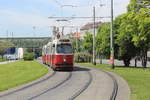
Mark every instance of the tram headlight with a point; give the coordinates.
(64, 60)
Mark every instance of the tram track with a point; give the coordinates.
(115, 84)
(54, 87)
(75, 83)
(76, 94)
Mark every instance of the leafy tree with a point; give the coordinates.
(141, 38)
(4, 45)
(136, 5)
(127, 49)
(132, 5)
(88, 43)
(103, 40)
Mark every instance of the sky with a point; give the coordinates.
(29, 18)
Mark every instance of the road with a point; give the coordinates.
(81, 84)
(120, 63)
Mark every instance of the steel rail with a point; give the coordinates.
(50, 89)
(115, 84)
(76, 94)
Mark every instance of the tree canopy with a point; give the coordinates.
(131, 33)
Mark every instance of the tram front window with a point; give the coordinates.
(64, 48)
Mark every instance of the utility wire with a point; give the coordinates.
(58, 3)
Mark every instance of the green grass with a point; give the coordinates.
(1, 60)
(137, 78)
(20, 72)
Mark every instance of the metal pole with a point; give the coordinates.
(94, 62)
(76, 40)
(112, 39)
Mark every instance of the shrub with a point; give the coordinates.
(28, 56)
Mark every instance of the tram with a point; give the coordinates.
(58, 54)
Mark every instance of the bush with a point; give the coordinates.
(28, 56)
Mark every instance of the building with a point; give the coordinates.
(89, 28)
(75, 35)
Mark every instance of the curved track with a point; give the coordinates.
(115, 86)
(82, 83)
(76, 94)
(55, 86)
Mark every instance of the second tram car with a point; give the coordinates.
(58, 54)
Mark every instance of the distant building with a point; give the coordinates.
(74, 35)
(86, 28)
(89, 28)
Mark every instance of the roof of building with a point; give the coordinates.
(74, 34)
(91, 25)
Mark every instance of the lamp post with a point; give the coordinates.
(112, 39)
(94, 61)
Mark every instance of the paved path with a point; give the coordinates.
(6, 62)
(83, 83)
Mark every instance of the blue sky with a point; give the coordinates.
(20, 16)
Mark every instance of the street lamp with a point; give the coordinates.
(94, 61)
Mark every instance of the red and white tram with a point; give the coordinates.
(58, 54)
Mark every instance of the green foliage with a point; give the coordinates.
(127, 27)
(88, 43)
(28, 56)
(103, 40)
(142, 37)
(132, 5)
(133, 36)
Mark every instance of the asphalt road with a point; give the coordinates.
(81, 84)
(120, 63)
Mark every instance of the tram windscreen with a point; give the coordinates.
(64, 48)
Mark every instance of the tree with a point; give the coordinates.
(4, 45)
(127, 27)
(141, 39)
(88, 43)
(103, 40)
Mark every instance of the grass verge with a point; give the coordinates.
(20, 72)
(137, 78)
